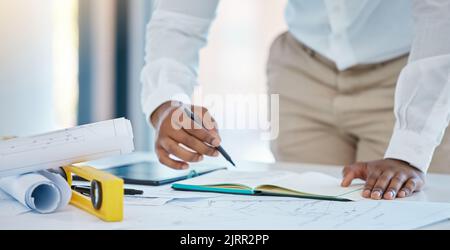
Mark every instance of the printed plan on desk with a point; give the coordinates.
(215, 210)
(224, 211)
(266, 213)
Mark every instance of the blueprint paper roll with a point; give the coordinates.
(61, 184)
(43, 192)
(65, 147)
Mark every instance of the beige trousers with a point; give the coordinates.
(334, 117)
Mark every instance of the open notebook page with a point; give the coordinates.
(310, 182)
(228, 177)
(313, 183)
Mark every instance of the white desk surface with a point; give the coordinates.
(437, 190)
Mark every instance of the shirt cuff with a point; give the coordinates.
(411, 147)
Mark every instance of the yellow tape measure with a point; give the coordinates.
(106, 195)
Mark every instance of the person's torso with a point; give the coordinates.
(352, 32)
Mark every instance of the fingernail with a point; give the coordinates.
(216, 153)
(390, 195)
(376, 195)
(184, 166)
(216, 142)
(200, 158)
(366, 193)
(402, 194)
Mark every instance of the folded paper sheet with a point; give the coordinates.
(43, 192)
(64, 147)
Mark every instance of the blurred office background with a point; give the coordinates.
(69, 62)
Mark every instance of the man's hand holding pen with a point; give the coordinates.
(178, 135)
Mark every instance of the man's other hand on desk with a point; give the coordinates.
(175, 131)
(385, 179)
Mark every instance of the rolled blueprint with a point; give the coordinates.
(65, 147)
(43, 192)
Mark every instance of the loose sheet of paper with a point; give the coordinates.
(144, 201)
(64, 147)
(158, 196)
(241, 212)
(168, 192)
(265, 213)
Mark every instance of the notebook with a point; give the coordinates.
(312, 185)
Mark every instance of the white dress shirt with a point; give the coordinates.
(349, 32)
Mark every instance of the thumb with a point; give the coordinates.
(351, 172)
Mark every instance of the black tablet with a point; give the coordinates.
(155, 174)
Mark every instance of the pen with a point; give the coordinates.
(87, 190)
(199, 122)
